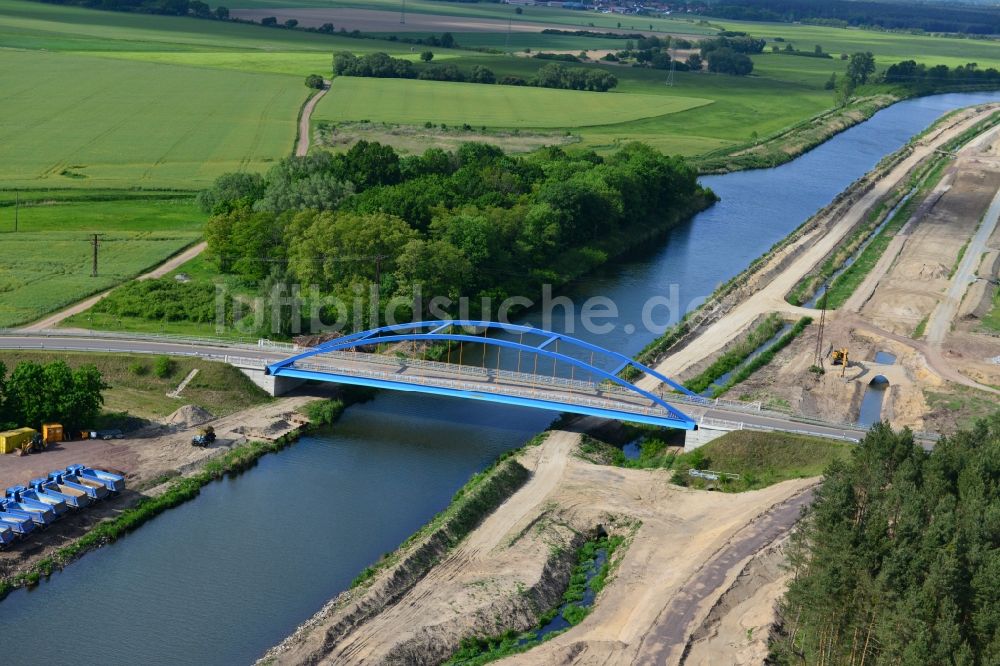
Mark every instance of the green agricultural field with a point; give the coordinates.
(416, 102)
(74, 120)
(47, 262)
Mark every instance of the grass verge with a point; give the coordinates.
(991, 322)
(138, 390)
(760, 459)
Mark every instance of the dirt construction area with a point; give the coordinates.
(683, 549)
(924, 280)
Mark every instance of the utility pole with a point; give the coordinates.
(506, 44)
(17, 207)
(95, 242)
(402, 13)
(670, 76)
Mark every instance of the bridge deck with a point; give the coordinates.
(560, 392)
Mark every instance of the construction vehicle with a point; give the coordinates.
(204, 437)
(34, 445)
(840, 357)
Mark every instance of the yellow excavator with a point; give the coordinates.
(840, 357)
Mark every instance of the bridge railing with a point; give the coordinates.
(525, 377)
(500, 389)
(722, 424)
(489, 373)
(202, 341)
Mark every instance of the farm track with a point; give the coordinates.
(305, 131)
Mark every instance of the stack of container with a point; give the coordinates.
(45, 500)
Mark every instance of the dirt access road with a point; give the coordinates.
(808, 251)
(686, 548)
(305, 120)
(944, 314)
(173, 263)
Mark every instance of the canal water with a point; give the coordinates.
(225, 576)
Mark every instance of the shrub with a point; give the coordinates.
(314, 81)
(164, 367)
(138, 368)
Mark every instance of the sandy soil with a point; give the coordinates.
(921, 272)
(787, 383)
(686, 552)
(170, 264)
(737, 629)
(374, 20)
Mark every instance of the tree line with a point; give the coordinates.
(897, 559)
(474, 222)
(551, 75)
(37, 393)
(195, 8)
(929, 16)
(910, 73)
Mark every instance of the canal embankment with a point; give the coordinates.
(764, 285)
(507, 575)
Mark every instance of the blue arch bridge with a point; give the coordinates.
(491, 361)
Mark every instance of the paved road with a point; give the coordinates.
(170, 264)
(305, 120)
(665, 642)
(217, 350)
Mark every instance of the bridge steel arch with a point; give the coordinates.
(441, 330)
